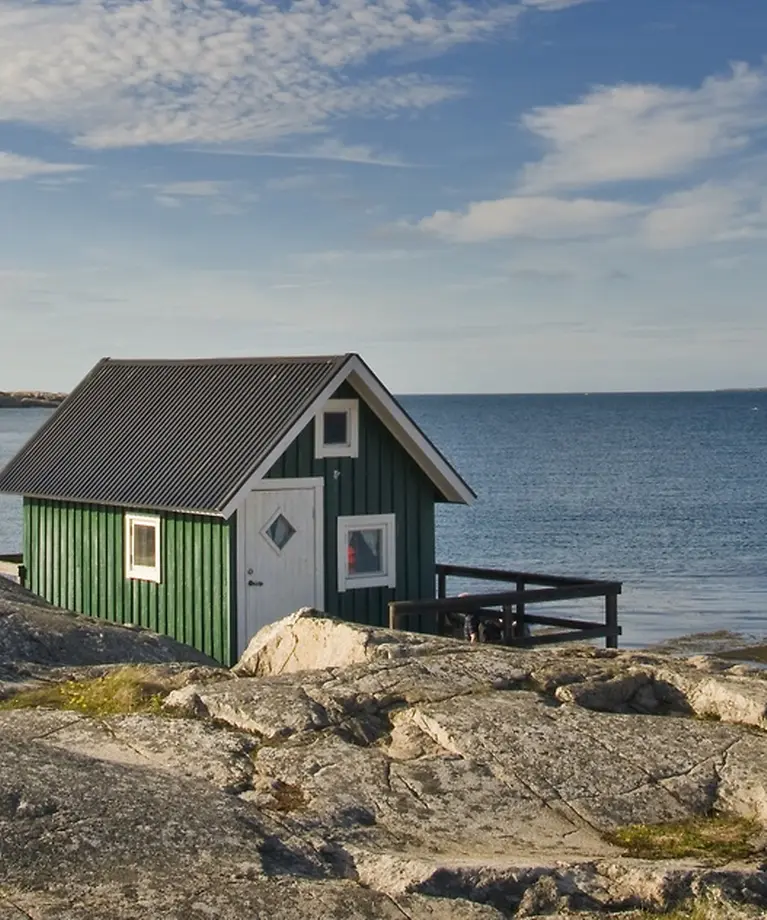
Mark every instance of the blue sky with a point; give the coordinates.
(534, 196)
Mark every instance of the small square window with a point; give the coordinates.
(142, 548)
(366, 552)
(336, 429)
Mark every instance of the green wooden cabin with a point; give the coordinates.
(206, 498)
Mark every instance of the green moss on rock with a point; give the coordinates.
(130, 689)
(718, 837)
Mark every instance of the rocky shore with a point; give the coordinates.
(343, 772)
(30, 399)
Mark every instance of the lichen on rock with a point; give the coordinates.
(344, 771)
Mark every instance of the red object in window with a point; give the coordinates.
(351, 559)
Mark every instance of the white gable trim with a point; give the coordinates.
(425, 454)
(385, 407)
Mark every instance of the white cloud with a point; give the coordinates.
(330, 257)
(553, 5)
(15, 168)
(296, 183)
(117, 73)
(297, 285)
(167, 201)
(633, 132)
(329, 149)
(227, 208)
(533, 217)
(195, 189)
(57, 181)
(626, 133)
(708, 213)
(224, 198)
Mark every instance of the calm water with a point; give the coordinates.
(665, 492)
(16, 425)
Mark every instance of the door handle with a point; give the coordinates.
(254, 584)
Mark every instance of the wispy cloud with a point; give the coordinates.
(117, 73)
(329, 149)
(167, 201)
(223, 197)
(57, 181)
(552, 5)
(626, 134)
(531, 217)
(296, 183)
(707, 213)
(297, 285)
(635, 132)
(14, 168)
(329, 257)
(196, 189)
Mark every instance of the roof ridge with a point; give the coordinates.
(232, 359)
(149, 433)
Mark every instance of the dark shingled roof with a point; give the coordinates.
(174, 435)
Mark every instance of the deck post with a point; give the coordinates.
(611, 620)
(508, 623)
(393, 618)
(441, 592)
(520, 624)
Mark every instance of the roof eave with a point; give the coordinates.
(126, 506)
(445, 477)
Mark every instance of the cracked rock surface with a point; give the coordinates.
(385, 775)
(36, 638)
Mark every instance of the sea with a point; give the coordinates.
(664, 492)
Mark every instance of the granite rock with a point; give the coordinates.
(354, 772)
(35, 636)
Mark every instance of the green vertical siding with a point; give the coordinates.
(383, 479)
(75, 558)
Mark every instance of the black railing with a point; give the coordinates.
(510, 607)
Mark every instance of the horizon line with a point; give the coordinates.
(762, 389)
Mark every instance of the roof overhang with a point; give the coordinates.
(434, 465)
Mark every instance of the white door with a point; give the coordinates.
(282, 564)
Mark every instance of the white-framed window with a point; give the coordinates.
(142, 547)
(337, 429)
(367, 551)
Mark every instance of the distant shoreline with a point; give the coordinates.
(743, 390)
(40, 399)
(30, 399)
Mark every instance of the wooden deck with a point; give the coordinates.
(511, 607)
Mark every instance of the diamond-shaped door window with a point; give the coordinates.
(279, 531)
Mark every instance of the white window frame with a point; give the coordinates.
(142, 572)
(385, 579)
(351, 448)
